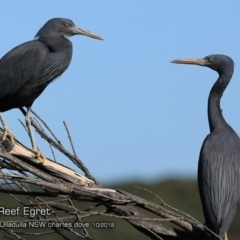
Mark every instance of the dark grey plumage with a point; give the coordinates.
(219, 160)
(27, 69)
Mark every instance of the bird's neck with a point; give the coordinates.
(56, 43)
(215, 117)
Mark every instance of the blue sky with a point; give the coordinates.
(132, 114)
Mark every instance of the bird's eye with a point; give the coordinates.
(67, 24)
(210, 59)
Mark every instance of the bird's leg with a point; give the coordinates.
(225, 236)
(30, 133)
(7, 131)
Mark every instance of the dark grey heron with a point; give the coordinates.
(219, 160)
(27, 69)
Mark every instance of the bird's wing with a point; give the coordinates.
(52, 69)
(20, 65)
(218, 180)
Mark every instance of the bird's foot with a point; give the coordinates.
(8, 133)
(225, 236)
(39, 155)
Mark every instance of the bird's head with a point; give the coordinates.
(218, 62)
(65, 28)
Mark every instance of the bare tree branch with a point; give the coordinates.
(58, 189)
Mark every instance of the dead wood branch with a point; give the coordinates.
(54, 191)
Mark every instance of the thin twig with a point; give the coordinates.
(70, 138)
(54, 157)
(165, 204)
(47, 127)
(75, 159)
(24, 126)
(38, 123)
